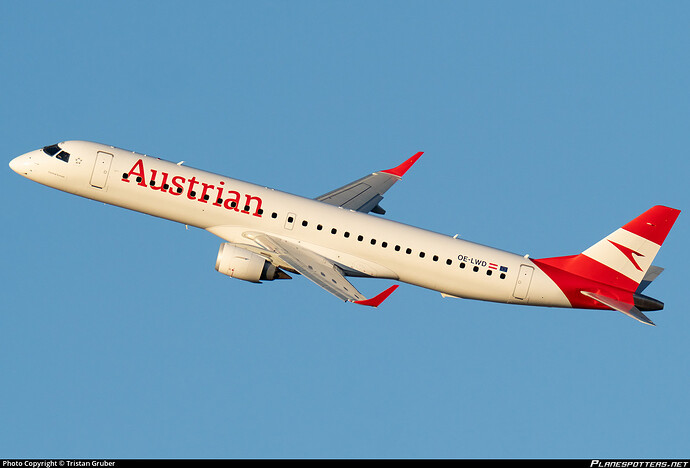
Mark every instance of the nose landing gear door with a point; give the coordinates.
(99, 177)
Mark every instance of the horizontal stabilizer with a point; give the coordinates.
(628, 309)
(650, 276)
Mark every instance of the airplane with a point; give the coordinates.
(268, 234)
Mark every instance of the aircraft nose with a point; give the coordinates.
(16, 164)
(20, 164)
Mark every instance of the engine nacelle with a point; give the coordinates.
(245, 265)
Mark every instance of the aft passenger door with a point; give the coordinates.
(523, 281)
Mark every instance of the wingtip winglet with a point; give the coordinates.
(400, 170)
(377, 300)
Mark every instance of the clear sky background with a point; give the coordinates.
(545, 126)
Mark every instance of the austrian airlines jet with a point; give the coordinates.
(332, 237)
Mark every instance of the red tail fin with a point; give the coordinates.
(614, 266)
(622, 258)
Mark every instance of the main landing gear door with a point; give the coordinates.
(523, 281)
(100, 170)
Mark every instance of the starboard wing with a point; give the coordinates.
(317, 268)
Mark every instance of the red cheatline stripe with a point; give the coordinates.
(572, 284)
(585, 267)
(654, 224)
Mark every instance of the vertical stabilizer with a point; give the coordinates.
(623, 257)
(630, 250)
(612, 272)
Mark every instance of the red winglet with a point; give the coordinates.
(402, 169)
(377, 300)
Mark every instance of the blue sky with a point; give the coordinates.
(545, 126)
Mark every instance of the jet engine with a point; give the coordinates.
(245, 265)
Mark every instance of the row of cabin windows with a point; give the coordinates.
(384, 245)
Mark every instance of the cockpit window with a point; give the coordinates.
(63, 156)
(51, 150)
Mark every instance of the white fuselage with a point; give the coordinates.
(360, 243)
